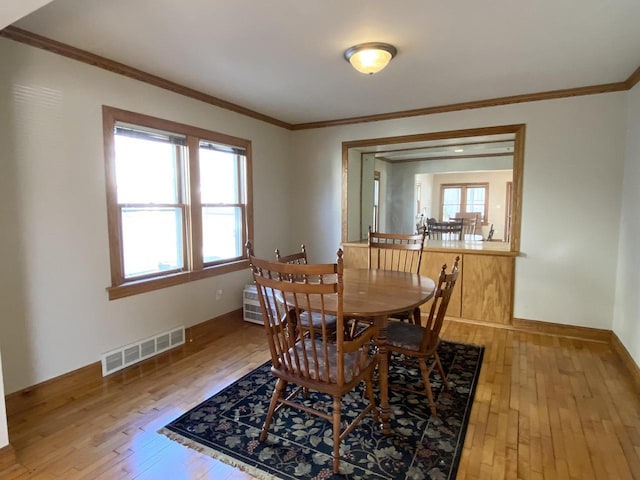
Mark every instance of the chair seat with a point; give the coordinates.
(350, 359)
(405, 335)
(316, 321)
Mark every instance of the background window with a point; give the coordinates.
(464, 198)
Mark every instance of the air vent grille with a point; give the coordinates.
(136, 352)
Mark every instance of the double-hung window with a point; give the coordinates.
(464, 198)
(178, 202)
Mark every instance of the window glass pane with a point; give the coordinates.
(146, 171)
(451, 198)
(151, 240)
(218, 176)
(475, 195)
(221, 233)
(452, 195)
(476, 200)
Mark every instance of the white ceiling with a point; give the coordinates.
(284, 58)
(459, 147)
(13, 10)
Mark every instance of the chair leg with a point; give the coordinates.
(427, 385)
(275, 396)
(336, 434)
(416, 316)
(350, 329)
(371, 397)
(445, 384)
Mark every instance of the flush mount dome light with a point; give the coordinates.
(370, 57)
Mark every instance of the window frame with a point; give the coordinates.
(463, 198)
(194, 268)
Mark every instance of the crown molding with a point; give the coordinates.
(35, 40)
(633, 79)
(38, 41)
(492, 102)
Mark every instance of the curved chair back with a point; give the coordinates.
(396, 251)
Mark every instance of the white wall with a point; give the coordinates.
(573, 163)
(626, 324)
(53, 242)
(428, 207)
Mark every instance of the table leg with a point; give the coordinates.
(383, 375)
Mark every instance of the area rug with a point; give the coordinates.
(421, 447)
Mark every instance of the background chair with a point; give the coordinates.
(300, 258)
(421, 343)
(470, 223)
(491, 232)
(309, 356)
(445, 230)
(397, 252)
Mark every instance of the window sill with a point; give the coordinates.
(148, 285)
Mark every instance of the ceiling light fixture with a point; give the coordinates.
(370, 57)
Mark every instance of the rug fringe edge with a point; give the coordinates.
(217, 455)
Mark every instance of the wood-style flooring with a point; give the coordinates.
(546, 407)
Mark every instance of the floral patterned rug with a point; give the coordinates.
(227, 426)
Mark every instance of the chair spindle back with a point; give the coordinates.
(441, 297)
(396, 251)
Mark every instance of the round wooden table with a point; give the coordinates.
(376, 294)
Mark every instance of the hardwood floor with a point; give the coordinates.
(546, 407)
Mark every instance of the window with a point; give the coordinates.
(464, 198)
(178, 202)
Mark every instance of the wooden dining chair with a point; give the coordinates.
(397, 252)
(310, 357)
(490, 234)
(300, 258)
(446, 230)
(421, 342)
(470, 222)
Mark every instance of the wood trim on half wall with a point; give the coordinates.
(38, 41)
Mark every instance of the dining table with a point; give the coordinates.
(375, 295)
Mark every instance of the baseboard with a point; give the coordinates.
(62, 387)
(209, 326)
(569, 331)
(7, 457)
(545, 328)
(626, 358)
(43, 393)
